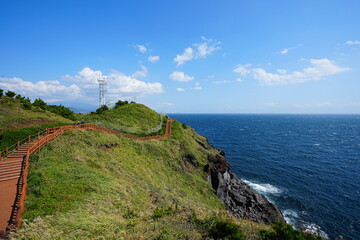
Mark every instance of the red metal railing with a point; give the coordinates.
(52, 133)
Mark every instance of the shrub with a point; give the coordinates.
(10, 94)
(164, 211)
(283, 231)
(102, 109)
(62, 111)
(19, 97)
(26, 105)
(120, 103)
(216, 228)
(39, 103)
(1, 93)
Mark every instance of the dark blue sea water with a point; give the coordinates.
(308, 165)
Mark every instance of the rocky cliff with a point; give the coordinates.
(240, 200)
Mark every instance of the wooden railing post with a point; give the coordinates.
(29, 139)
(6, 152)
(18, 144)
(0, 156)
(38, 135)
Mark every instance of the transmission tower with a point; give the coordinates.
(102, 90)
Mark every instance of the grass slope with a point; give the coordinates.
(93, 185)
(13, 116)
(132, 117)
(17, 123)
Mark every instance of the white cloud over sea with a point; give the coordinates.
(318, 70)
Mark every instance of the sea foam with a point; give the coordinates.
(263, 187)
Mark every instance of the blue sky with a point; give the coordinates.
(197, 56)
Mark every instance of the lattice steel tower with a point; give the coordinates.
(102, 90)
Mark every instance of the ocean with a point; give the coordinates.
(307, 165)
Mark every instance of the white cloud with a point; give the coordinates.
(140, 73)
(352, 42)
(220, 82)
(85, 87)
(284, 51)
(153, 59)
(52, 90)
(86, 77)
(198, 88)
(186, 56)
(166, 104)
(239, 80)
(141, 48)
(198, 50)
(180, 89)
(242, 69)
(206, 48)
(281, 71)
(317, 71)
(119, 84)
(181, 77)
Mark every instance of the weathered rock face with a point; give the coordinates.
(240, 199)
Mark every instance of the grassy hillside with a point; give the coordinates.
(14, 116)
(94, 185)
(16, 123)
(133, 117)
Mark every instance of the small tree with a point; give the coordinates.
(120, 103)
(19, 97)
(1, 93)
(10, 94)
(102, 109)
(39, 103)
(27, 105)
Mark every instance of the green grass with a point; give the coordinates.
(134, 190)
(132, 118)
(95, 185)
(13, 116)
(11, 137)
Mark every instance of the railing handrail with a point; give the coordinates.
(15, 219)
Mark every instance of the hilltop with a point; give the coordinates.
(95, 185)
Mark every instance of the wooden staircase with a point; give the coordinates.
(14, 170)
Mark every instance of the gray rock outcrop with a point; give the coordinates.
(240, 200)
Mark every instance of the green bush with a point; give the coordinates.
(19, 97)
(10, 94)
(164, 211)
(26, 105)
(102, 109)
(120, 103)
(216, 228)
(283, 231)
(1, 93)
(62, 111)
(39, 103)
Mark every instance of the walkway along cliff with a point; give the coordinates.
(14, 170)
(240, 200)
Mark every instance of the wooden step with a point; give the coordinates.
(9, 167)
(11, 164)
(13, 169)
(12, 174)
(4, 171)
(10, 178)
(12, 161)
